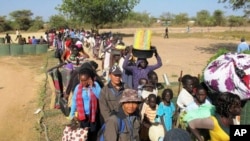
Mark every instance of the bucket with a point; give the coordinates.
(16, 49)
(2, 40)
(41, 48)
(29, 49)
(4, 49)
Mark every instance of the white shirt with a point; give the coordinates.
(184, 99)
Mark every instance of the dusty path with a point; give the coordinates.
(19, 85)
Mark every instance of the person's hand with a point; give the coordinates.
(156, 53)
(66, 96)
(90, 82)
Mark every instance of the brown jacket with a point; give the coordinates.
(129, 133)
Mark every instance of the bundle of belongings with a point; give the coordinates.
(230, 72)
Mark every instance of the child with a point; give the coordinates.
(166, 110)
(142, 82)
(148, 114)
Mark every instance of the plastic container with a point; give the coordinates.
(16, 49)
(29, 49)
(143, 53)
(4, 49)
(41, 48)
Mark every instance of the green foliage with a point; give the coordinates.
(97, 12)
(235, 21)
(22, 19)
(218, 53)
(57, 21)
(236, 4)
(219, 17)
(203, 18)
(181, 19)
(37, 24)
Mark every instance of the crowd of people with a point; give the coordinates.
(128, 99)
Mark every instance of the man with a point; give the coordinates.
(8, 38)
(243, 46)
(166, 33)
(111, 93)
(128, 113)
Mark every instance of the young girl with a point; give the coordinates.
(166, 110)
(148, 114)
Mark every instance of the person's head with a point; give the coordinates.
(153, 77)
(228, 105)
(167, 95)
(142, 63)
(93, 64)
(143, 81)
(115, 75)
(177, 134)
(201, 94)
(74, 51)
(148, 87)
(242, 39)
(129, 101)
(188, 83)
(152, 101)
(86, 76)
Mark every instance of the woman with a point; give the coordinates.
(227, 107)
(74, 56)
(141, 69)
(85, 102)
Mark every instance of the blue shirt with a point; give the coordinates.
(167, 112)
(243, 46)
(86, 98)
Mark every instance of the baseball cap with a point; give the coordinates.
(115, 70)
(130, 95)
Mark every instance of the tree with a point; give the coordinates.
(203, 17)
(22, 19)
(36, 24)
(181, 18)
(57, 21)
(3, 24)
(236, 4)
(219, 17)
(235, 21)
(97, 12)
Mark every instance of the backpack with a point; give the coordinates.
(121, 127)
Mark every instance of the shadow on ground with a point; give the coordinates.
(213, 48)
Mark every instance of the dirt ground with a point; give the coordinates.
(20, 80)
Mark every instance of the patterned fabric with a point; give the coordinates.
(229, 73)
(80, 105)
(78, 134)
(130, 95)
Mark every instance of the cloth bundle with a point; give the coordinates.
(230, 72)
